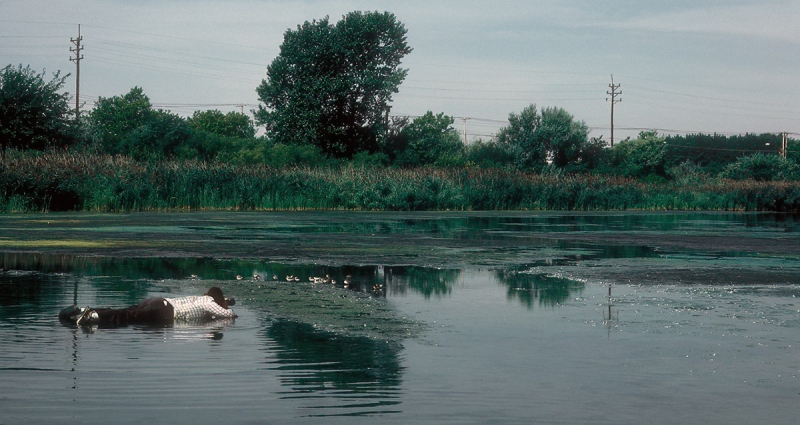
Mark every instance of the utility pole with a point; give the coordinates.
(613, 93)
(465, 130)
(784, 143)
(77, 59)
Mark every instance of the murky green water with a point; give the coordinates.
(446, 318)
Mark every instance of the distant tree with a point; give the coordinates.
(33, 112)
(430, 139)
(128, 125)
(713, 152)
(566, 140)
(232, 124)
(793, 150)
(490, 154)
(396, 140)
(762, 167)
(114, 119)
(641, 157)
(331, 85)
(217, 135)
(165, 135)
(521, 136)
(553, 136)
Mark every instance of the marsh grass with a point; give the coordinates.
(66, 181)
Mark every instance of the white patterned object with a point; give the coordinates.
(199, 307)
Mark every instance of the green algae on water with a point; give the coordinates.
(325, 307)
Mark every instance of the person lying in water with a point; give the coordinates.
(156, 311)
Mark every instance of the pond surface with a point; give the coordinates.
(445, 318)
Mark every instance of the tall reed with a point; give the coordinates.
(56, 181)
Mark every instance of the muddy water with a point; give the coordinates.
(446, 318)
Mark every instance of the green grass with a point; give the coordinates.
(64, 181)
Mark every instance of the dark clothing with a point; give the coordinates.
(155, 311)
(152, 311)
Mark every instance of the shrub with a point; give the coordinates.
(761, 167)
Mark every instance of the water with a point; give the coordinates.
(517, 330)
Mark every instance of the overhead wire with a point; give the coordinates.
(117, 56)
(171, 61)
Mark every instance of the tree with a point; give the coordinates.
(128, 125)
(642, 157)
(430, 139)
(713, 152)
(491, 154)
(33, 112)
(521, 135)
(762, 167)
(331, 86)
(164, 135)
(114, 119)
(217, 135)
(232, 124)
(553, 136)
(396, 140)
(564, 138)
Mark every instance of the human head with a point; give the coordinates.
(216, 293)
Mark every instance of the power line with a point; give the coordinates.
(727, 101)
(31, 36)
(181, 38)
(171, 70)
(174, 52)
(172, 61)
(497, 91)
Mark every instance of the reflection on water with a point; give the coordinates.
(325, 374)
(685, 337)
(550, 291)
(426, 281)
(122, 274)
(460, 226)
(362, 375)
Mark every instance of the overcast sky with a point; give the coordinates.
(725, 66)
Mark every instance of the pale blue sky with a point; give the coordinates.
(685, 66)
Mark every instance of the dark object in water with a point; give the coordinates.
(155, 311)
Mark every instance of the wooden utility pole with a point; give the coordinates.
(465, 130)
(784, 143)
(77, 59)
(613, 93)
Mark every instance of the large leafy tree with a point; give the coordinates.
(564, 137)
(521, 136)
(129, 125)
(552, 136)
(331, 85)
(33, 112)
(114, 119)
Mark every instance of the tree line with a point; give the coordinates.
(326, 101)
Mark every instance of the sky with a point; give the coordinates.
(682, 66)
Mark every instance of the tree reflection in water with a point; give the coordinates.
(550, 291)
(427, 281)
(359, 375)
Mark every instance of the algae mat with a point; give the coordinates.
(436, 239)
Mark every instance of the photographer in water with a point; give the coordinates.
(156, 311)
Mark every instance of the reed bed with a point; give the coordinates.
(62, 181)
